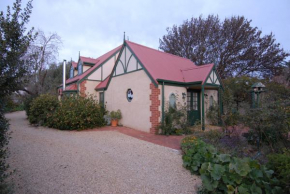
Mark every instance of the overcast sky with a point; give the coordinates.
(94, 27)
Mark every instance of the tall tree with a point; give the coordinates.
(41, 53)
(14, 41)
(233, 45)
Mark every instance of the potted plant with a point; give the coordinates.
(115, 117)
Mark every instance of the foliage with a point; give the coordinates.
(239, 88)
(233, 45)
(270, 123)
(230, 116)
(175, 122)
(4, 139)
(76, 113)
(222, 173)
(44, 73)
(116, 114)
(27, 100)
(280, 163)
(41, 107)
(213, 114)
(14, 41)
(11, 106)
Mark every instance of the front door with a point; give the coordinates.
(193, 106)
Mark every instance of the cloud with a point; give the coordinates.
(95, 27)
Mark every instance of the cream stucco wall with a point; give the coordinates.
(86, 67)
(179, 90)
(75, 73)
(168, 90)
(90, 89)
(108, 67)
(136, 114)
(96, 75)
(209, 93)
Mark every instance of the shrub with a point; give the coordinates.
(41, 107)
(269, 124)
(213, 114)
(175, 122)
(280, 163)
(222, 173)
(27, 103)
(116, 114)
(4, 140)
(77, 113)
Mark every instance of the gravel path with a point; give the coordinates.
(52, 161)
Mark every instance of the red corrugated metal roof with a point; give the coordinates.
(74, 64)
(170, 67)
(103, 84)
(89, 60)
(99, 61)
(198, 73)
(72, 87)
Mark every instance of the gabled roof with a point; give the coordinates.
(103, 84)
(98, 61)
(165, 66)
(197, 73)
(74, 64)
(88, 60)
(71, 88)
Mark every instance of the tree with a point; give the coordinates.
(41, 54)
(14, 41)
(233, 45)
(240, 89)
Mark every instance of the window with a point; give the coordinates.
(194, 101)
(172, 101)
(129, 95)
(80, 68)
(101, 98)
(71, 73)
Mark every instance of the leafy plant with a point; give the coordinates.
(4, 140)
(76, 113)
(213, 114)
(175, 122)
(116, 114)
(222, 173)
(269, 124)
(280, 163)
(41, 107)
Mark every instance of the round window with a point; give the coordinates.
(129, 95)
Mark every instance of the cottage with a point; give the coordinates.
(142, 82)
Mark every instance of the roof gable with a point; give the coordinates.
(99, 61)
(165, 66)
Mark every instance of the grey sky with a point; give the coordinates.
(94, 27)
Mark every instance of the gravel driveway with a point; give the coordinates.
(52, 161)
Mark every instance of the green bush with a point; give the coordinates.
(175, 122)
(116, 114)
(280, 163)
(222, 173)
(41, 107)
(213, 114)
(77, 113)
(27, 103)
(4, 140)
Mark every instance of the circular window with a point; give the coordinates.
(129, 95)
